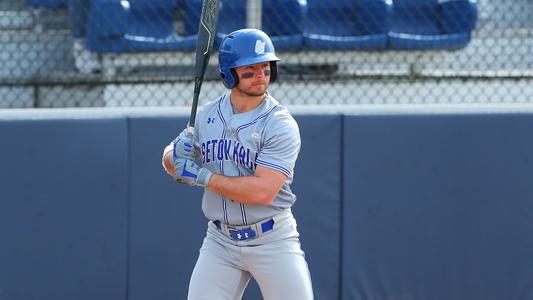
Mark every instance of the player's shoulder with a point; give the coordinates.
(211, 105)
(277, 110)
(214, 103)
(279, 115)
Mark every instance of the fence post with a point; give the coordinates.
(253, 14)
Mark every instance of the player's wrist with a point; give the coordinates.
(203, 178)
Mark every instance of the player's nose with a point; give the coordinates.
(258, 73)
(262, 73)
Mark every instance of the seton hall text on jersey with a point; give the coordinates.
(222, 149)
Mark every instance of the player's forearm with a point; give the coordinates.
(244, 189)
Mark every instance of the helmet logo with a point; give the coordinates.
(260, 47)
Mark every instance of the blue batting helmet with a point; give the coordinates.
(243, 48)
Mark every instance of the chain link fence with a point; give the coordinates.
(109, 53)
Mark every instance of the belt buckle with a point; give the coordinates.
(242, 234)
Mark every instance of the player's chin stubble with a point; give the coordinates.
(252, 93)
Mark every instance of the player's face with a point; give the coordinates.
(253, 79)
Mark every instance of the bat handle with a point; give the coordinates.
(190, 129)
(196, 95)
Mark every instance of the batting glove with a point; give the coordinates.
(188, 172)
(183, 146)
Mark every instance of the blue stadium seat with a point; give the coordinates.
(346, 24)
(232, 16)
(431, 24)
(283, 21)
(47, 3)
(78, 10)
(117, 26)
(192, 12)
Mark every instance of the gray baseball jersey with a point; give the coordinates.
(234, 144)
(244, 241)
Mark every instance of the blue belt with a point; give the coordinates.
(242, 233)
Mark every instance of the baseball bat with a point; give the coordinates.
(204, 45)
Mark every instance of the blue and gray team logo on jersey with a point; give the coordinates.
(228, 150)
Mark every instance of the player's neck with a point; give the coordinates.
(243, 103)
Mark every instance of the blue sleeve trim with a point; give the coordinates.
(274, 166)
(219, 110)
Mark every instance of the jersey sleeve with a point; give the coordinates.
(281, 144)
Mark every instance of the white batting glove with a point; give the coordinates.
(184, 147)
(188, 172)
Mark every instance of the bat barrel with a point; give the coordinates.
(206, 37)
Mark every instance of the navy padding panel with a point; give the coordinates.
(167, 223)
(63, 216)
(438, 207)
(317, 185)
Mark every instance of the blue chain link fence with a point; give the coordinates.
(100, 53)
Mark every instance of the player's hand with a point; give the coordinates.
(180, 147)
(167, 161)
(183, 146)
(188, 172)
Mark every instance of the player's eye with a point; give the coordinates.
(247, 75)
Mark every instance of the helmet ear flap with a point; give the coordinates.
(235, 77)
(229, 77)
(273, 71)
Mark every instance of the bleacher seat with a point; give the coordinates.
(118, 26)
(431, 24)
(52, 4)
(346, 24)
(283, 21)
(192, 13)
(78, 10)
(232, 16)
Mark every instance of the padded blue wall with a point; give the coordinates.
(166, 221)
(407, 207)
(63, 209)
(317, 185)
(438, 207)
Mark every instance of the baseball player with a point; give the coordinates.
(246, 148)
